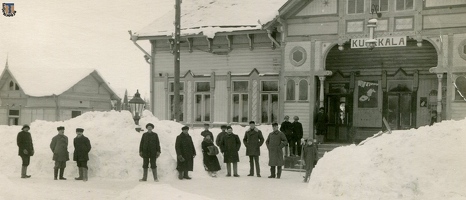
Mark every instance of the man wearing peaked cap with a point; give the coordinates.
(59, 147)
(149, 150)
(82, 146)
(25, 149)
(185, 152)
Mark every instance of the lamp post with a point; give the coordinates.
(137, 105)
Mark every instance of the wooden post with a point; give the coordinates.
(176, 99)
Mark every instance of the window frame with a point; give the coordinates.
(269, 102)
(404, 6)
(241, 102)
(355, 12)
(381, 11)
(183, 103)
(203, 102)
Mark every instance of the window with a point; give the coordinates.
(404, 4)
(171, 113)
(202, 102)
(269, 102)
(290, 90)
(355, 6)
(303, 95)
(13, 86)
(75, 113)
(240, 101)
(382, 4)
(13, 117)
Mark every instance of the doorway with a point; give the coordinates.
(399, 113)
(338, 118)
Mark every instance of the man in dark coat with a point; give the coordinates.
(287, 128)
(275, 143)
(310, 157)
(25, 149)
(230, 146)
(82, 146)
(253, 140)
(221, 135)
(185, 153)
(298, 134)
(206, 132)
(59, 147)
(321, 125)
(149, 150)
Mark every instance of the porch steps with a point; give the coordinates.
(293, 163)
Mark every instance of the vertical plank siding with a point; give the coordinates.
(160, 100)
(221, 102)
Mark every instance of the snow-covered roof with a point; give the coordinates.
(209, 17)
(52, 81)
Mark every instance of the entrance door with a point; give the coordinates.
(338, 118)
(399, 111)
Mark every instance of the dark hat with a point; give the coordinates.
(223, 126)
(321, 108)
(275, 124)
(149, 124)
(79, 130)
(206, 124)
(185, 128)
(252, 122)
(25, 126)
(60, 128)
(229, 127)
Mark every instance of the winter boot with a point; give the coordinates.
(80, 174)
(62, 171)
(272, 172)
(186, 175)
(55, 173)
(214, 174)
(84, 174)
(180, 175)
(228, 169)
(144, 175)
(154, 173)
(279, 172)
(24, 170)
(251, 166)
(235, 169)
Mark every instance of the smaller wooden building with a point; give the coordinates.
(52, 94)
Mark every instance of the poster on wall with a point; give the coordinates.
(368, 94)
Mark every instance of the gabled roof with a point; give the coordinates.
(208, 17)
(47, 82)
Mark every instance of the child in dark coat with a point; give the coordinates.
(310, 158)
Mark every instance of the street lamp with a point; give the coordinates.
(137, 105)
(372, 24)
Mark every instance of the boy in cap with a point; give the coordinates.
(253, 140)
(25, 149)
(206, 132)
(59, 147)
(149, 150)
(310, 157)
(82, 146)
(185, 152)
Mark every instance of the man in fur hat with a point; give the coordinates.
(82, 146)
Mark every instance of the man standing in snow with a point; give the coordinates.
(221, 135)
(253, 140)
(82, 146)
(25, 149)
(59, 147)
(287, 128)
(275, 143)
(149, 150)
(206, 132)
(230, 146)
(185, 153)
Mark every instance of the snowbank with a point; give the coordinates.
(424, 163)
(115, 146)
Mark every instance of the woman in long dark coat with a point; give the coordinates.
(210, 161)
(185, 153)
(25, 149)
(82, 146)
(230, 147)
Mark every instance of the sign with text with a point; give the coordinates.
(395, 41)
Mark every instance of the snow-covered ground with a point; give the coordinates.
(427, 163)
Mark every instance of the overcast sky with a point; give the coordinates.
(81, 34)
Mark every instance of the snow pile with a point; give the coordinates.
(115, 146)
(149, 192)
(424, 163)
(212, 16)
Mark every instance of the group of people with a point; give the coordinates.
(229, 145)
(226, 142)
(59, 147)
(294, 133)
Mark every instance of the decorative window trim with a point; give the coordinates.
(461, 47)
(303, 60)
